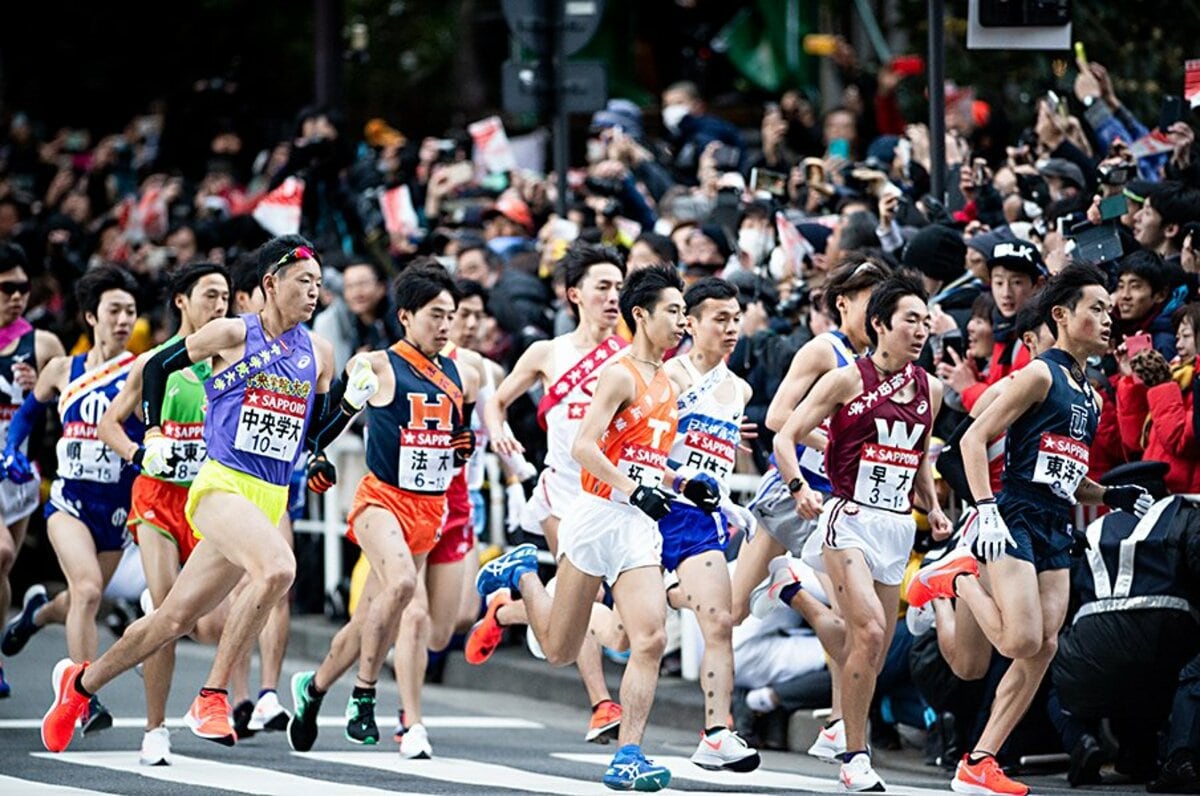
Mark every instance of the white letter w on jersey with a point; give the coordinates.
(899, 435)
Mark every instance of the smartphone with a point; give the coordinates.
(1113, 207)
(1058, 104)
(1137, 342)
(459, 173)
(726, 158)
(1172, 111)
(980, 174)
(821, 44)
(956, 343)
(772, 182)
(839, 148)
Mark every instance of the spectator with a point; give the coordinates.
(1158, 226)
(692, 129)
(1140, 302)
(361, 318)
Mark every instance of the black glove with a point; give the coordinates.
(1079, 542)
(654, 503)
(463, 443)
(321, 473)
(1128, 497)
(704, 492)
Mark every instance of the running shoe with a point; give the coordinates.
(937, 579)
(486, 634)
(505, 571)
(857, 776)
(156, 747)
(5, 688)
(984, 778)
(98, 718)
(830, 743)
(302, 726)
(401, 728)
(630, 770)
(58, 725)
(920, 620)
(208, 718)
(268, 715)
(18, 631)
(415, 743)
(605, 723)
(781, 573)
(360, 721)
(725, 750)
(242, 712)
(146, 602)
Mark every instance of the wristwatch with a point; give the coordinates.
(795, 485)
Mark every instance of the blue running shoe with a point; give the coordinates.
(5, 689)
(22, 628)
(630, 770)
(505, 571)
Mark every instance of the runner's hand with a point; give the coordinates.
(321, 473)
(652, 502)
(808, 502)
(994, 538)
(1129, 497)
(463, 443)
(159, 451)
(514, 504)
(17, 467)
(704, 491)
(361, 384)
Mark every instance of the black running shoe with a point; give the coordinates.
(241, 719)
(360, 721)
(21, 628)
(98, 718)
(302, 727)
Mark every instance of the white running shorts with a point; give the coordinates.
(604, 538)
(884, 537)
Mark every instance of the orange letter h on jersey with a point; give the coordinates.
(420, 412)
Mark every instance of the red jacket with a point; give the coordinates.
(1158, 421)
(997, 370)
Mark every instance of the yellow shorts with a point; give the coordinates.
(271, 500)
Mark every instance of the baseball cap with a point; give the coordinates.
(512, 207)
(1065, 170)
(1019, 256)
(618, 113)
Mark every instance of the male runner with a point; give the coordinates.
(567, 368)
(89, 500)
(609, 533)
(1050, 413)
(199, 294)
(767, 554)
(24, 352)
(270, 373)
(880, 411)
(417, 438)
(711, 403)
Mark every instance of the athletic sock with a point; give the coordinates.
(975, 758)
(359, 693)
(263, 692)
(829, 724)
(788, 592)
(711, 731)
(79, 689)
(207, 692)
(598, 704)
(848, 756)
(761, 700)
(313, 691)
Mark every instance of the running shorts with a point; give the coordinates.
(18, 501)
(687, 532)
(1042, 530)
(102, 510)
(603, 538)
(271, 499)
(775, 510)
(158, 505)
(552, 496)
(884, 537)
(419, 515)
(458, 533)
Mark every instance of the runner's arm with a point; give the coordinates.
(1029, 386)
(809, 363)
(925, 490)
(110, 429)
(30, 411)
(830, 391)
(1090, 492)
(526, 373)
(614, 388)
(332, 413)
(214, 338)
(46, 346)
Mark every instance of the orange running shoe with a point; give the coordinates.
(58, 725)
(937, 579)
(984, 778)
(486, 634)
(208, 718)
(606, 721)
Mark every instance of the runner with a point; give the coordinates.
(89, 500)
(417, 436)
(1023, 537)
(24, 352)
(259, 405)
(711, 403)
(880, 412)
(766, 555)
(567, 368)
(199, 294)
(609, 532)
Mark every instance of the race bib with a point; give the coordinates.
(188, 450)
(87, 460)
(1062, 463)
(886, 476)
(270, 424)
(426, 461)
(643, 464)
(705, 453)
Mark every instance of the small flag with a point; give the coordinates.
(492, 147)
(278, 212)
(794, 245)
(399, 216)
(1191, 82)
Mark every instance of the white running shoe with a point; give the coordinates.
(830, 743)
(415, 743)
(156, 747)
(268, 714)
(531, 642)
(147, 602)
(858, 776)
(781, 573)
(725, 751)
(920, 620)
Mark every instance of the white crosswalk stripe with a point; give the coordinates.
(26, 788)
(431, 722)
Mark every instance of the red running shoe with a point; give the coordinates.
(208, 718)
(605, 724)
(58, 725)
(486, 634)
(984, 778)
(937, 579)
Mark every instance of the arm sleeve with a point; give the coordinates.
(154, 379)
(24, 420)
(329, 420)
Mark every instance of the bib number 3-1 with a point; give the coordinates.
(886, 476)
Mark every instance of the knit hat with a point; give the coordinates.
(938, 252)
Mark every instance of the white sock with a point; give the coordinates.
(761, 700)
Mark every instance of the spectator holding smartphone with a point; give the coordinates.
(1141, 302)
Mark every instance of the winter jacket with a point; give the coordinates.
(1158, 421)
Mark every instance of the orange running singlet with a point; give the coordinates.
(639, 438)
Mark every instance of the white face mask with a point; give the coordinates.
(663, 226)
(596, 150)
(672, 115)
(755, 243)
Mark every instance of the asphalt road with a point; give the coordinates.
(483, 743)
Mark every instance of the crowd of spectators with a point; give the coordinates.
(774, 209)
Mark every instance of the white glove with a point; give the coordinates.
(738, 516)
(514, 504)
(361, 384)
(159, 451)
(994, 538)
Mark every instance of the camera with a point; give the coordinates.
(446, 150)
(1116, 175)
(798, 299)
(726, 158)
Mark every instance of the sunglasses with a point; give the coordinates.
(10, 288)
(295, 255)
